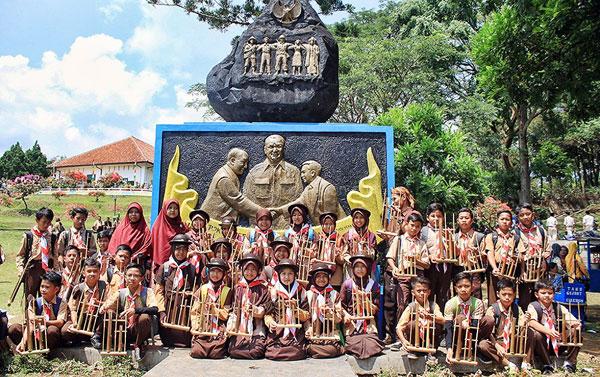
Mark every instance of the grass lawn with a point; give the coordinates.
(13, 223)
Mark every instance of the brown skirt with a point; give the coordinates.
(174, 338)
(208, 347)
(286, 349)
(324, 349)
(247, 348)
(363, 346)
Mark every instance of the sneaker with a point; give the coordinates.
(512, 367)
(525, 366)
(96, 342)
(484, 360)
(547, 369)
(396, 346)
(568, 367)
(430, 358)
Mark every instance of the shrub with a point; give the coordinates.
(96, 194)
(110, 180)
(58, 194)
(486, 211)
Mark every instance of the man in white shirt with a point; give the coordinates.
(569, 223)
(551, 224)
(588, 222)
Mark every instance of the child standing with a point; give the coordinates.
(500, 245)
(262, 235)
(470, 246)
(359, 239)
(168, 223)
(330, 241)
(77, 235)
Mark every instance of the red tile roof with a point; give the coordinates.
(125, 151)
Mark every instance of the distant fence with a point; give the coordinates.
(116, 191)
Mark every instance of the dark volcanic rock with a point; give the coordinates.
(285, 97)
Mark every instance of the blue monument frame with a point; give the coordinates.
(266, 127)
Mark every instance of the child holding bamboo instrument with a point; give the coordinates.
(86, 299)
(210, 313)
(282, 249)
(554, 330)
(420, 325)
(359, 298)
(470, 250)
(175, 281)
(115, 273)
(328, 248)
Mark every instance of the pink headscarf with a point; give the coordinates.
(163, 230)
(136, 235)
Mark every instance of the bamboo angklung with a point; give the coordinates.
(362, 303)
(570, 336)
(422, 333)
(88, 313)
(235, 327)
(288, 312)
(464, 342)
(114, 334)
(326, 251)
(533, 268)
(324, 327)
(361, 247)
(391, 223)
(446, 243)
(237, 246)
(507, 269)
(406, 264)
(178, 307)
(518, 337)
(207, 319)
(34, 331)
(303, 258)
(203, 243)
(473, 262)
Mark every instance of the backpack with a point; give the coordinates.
(496, 308)
(29, 244)
(540, 311)
(87, 235)
(55, 306)
(222, 296)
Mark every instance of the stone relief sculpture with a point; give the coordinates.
(273, 182)
(281, 55)
(250, 56)
(265, 57)
(312, 57)
(307, 63)
(287, 11)
(297, 57)
(224, 197)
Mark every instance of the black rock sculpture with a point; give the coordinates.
(301, 86)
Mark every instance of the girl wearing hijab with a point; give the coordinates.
(299, 228)
(167, 225)
(133, 232)
(358, 239)
(263, 234)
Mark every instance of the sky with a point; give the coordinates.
(75, 75)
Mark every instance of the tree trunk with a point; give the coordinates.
(24, 202)
(525, 191)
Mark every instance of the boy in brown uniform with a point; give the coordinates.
(115, 273)
(214, 297)
(500, 245)
(252, 301)
(91, 292)
(52, 307)
(406, 251)
(175, 275)
(470, 248)
(38, 244)
(77, 235)
(544, 330)
(137, 304)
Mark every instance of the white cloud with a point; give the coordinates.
(57, 101)
(112, 9)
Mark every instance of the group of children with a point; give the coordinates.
(302, 294)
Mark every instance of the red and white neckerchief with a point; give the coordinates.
(91, 309)
(548, 321)
(361, 324)
(465, 308)
(281, 292)
(66, 274)
(121, 276)
(534, 242)
(275, 276)
(213, 296)
(246, 320)
(463, 245)
(437, 250)
(44, 249)
(297, 239)
(423, 322)
(131, 304)
(506, 329)
(359, 238)
(179, 279)
(320, 298)
(77, 239)
(47, 307)
(505, 247)
(329, 242)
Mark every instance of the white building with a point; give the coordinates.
(131, 158)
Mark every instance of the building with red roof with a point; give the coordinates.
(131, 158)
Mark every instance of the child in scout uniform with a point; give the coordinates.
(287, 343)
(239, 242)
(406, 250)
(214, 297)
(469, 245)
(137, 304)
(299, 228)
(495, 326)
(175, 275)
(262, 235)
(70, 272)
(331, 241)
(91, 291)
(428, 312)
(499, 245)
(544, 330)
(77, 235)
(52, 307)
(358, 239)
(115, 273)
(440, 273)
(38, 244)
(361, 334)
(464, 308)
(253, 301)
(281, 250)
(322, 299)
(201, 240)
(102, 255)
(221, 248)
(533, 243)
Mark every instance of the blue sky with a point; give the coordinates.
(75, 75)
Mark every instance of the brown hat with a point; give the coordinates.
(228, 220)
(181, 238)
(300, 206)
(365, 212)
(321, 267)
(287, 263)
(218, 242)
(198, 212)
(263, 212)
(325, 215)
(366, 259)
(281, 241)
(218, 263)
(249, 257)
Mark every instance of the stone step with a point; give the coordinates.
(91, 356)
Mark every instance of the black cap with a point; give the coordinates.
(281, 241)
(228, 220)
(365, 212)
(321, 267)
(201, 213)
(300, 206)
(366, 258)
(287, 263)
(181, 239)
(218, 263)
(218, 242)
(328, 214)
(249, 257)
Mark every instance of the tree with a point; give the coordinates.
(432, 160)
(551, 162)
(222, 14)
(22, 187)
(13, 162)
(36, 161)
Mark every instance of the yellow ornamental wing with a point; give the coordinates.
(177, 187)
